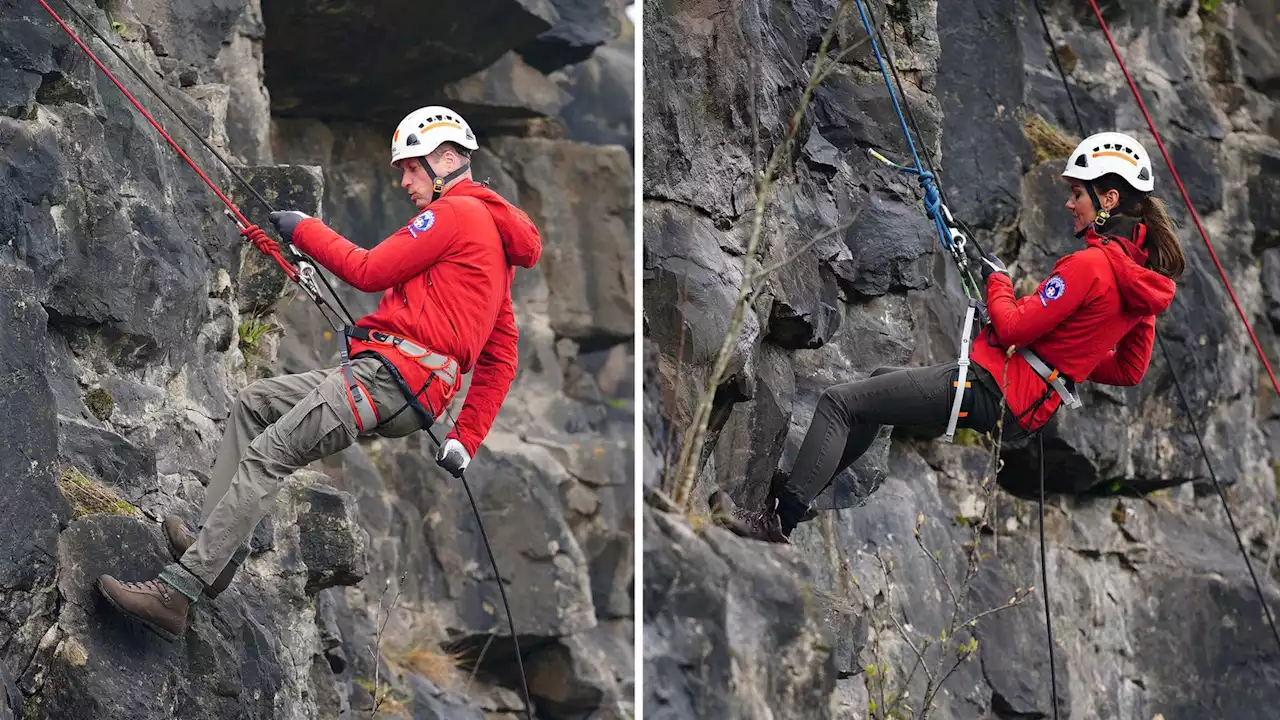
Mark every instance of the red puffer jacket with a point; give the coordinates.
(1093, 318)
(447, 281)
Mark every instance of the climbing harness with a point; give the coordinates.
(303, 273)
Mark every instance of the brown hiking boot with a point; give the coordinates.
(155, 604)
(756, 525)
(175, 532)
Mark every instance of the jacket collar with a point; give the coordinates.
(1128, 231)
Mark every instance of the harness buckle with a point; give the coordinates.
(1053, 378)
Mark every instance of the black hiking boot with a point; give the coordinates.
(154, 603)
(755, 525)
(175, 533)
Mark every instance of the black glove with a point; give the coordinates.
(987, 264)
(286, 221)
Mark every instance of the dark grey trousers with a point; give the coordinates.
(849, 415)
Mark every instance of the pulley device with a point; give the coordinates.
(299, 268)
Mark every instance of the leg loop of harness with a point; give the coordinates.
(361, 403)
(962, 382)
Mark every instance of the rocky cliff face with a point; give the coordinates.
(1154, 613)
(133, 313)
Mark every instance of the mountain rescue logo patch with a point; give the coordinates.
(422, 223)
(1053, 289)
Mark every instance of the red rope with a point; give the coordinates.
(240, 218)
(1186, 198)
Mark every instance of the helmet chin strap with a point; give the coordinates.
(438, 182)
(1101, 218)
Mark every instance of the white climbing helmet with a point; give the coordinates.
(1111, 152)
(424, 129)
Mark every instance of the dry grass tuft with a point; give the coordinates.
(1047, 141)
(430, 661)
(89, 498)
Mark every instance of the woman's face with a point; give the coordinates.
(1081, 207)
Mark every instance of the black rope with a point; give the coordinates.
(1182, 397)
(182, 119)
(1222, 495)
(528, 701)
(1044, 585)
(1057, 62)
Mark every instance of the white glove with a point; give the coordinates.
(453, 457)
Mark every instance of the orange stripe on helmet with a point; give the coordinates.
(1113, 153)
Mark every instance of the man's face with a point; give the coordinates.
(415, 180)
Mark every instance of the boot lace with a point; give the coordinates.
(153, 586)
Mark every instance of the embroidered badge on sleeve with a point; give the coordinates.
(1053, 289)
(422, 223)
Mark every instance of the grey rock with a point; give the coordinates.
(1132, 525)
(888, 242)
(1256, 31)
(331, 542)
(1264, 207)
(403, 52)
(506, 90)
(122, 277)
(191, 33)
(752, 439)
(582, 26)
(430, 702)
(285, 187)
(587, 251)
(33, 507)
(979, 82)
(743, 611)
(107, 458)
(11, 699)
(575, 676)
(803, 314)
(601, 93)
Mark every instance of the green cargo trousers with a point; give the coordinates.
(279, 425)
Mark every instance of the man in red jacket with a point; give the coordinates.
(445, 310)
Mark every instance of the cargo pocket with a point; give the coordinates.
(322, 424)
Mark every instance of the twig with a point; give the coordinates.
(376, 650)
(1019, 596)
(920, 661)
(803, 249)
(937, 564)
(475, 669)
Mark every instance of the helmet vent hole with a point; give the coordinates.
(1143, 174)
(1082, 160)
(411, 140)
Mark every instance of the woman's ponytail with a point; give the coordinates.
(1164, 251)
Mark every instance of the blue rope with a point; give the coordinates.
(932, 201)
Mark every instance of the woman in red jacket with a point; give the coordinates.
(1093, 318)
